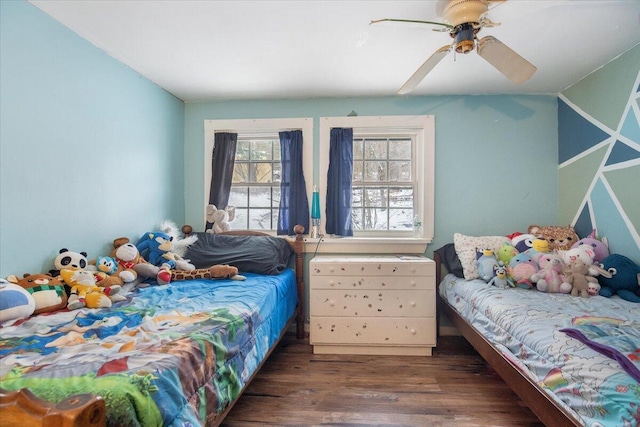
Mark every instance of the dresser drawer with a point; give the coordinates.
(372, 282)
(371, 267)
(373, 331)
(359, 303)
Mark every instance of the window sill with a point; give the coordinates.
(369, 245)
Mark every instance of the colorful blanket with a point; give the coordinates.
(526, 326)
(170, 355)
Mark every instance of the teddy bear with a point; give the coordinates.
(220, 218)
(48, 292)
(85, 292)
(623, 280)
(559, 238)
(549, 277)
(576, 275)
(131, 264)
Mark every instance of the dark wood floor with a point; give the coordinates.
(454, 387)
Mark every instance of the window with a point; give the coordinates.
(383, 183)
(393, 174)
(255, 188)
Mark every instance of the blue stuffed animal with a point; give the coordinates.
(624, 280)
(486, 261)
(156, 248)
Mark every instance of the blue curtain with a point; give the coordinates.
(339, 178)
(222, 163)
(294, 204)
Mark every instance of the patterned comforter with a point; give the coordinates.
(584, 352)
(173, 355)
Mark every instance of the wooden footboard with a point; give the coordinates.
(23, 409)
(545, 408)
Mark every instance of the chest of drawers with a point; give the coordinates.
(372, 305)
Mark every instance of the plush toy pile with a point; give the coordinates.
(555, 260)
(76, 282)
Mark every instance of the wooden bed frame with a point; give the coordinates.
(23, 409)
(546, 409)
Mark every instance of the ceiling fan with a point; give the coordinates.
(463, 20)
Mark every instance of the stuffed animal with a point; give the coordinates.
(70, 260)
(559, 238)
(577, 274)
(15, 303)
(220, 218)
(506, 252)
(107, 269)
(522, 242)
(486, 261)
(218, 271)
(549, 277)
(600, 248)
(157, 248)
(538, 248)
(47, 291)
(583, 253)
(180, 242)
(521, 268)
(85, 292)
(624, 278)
(501, 279)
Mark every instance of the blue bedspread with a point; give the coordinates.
(527, 327)
(170, 355)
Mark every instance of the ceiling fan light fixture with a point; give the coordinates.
(464, 36)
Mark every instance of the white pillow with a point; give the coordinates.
(466, 247)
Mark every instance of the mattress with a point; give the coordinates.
(584, 352)
(170, 355)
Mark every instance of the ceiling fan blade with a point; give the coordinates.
(424, 69)
(411, 22)
(506, 60)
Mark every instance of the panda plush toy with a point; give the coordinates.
(70, 260)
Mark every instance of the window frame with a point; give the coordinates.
(422, 128)
(258, 127)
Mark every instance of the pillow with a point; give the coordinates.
(466, 249)
(450, 260)
(251, 254)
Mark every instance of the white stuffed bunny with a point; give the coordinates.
(220, 218)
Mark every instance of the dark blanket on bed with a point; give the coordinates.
(251, 254)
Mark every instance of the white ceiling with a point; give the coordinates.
(206, 50)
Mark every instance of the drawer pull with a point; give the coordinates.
(413, 303)
(413, 269)
(331, 269)
(413, 283)
(331, 283)
(332, 303)
(413, 332)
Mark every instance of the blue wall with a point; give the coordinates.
(496, 156)
(89, 149)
